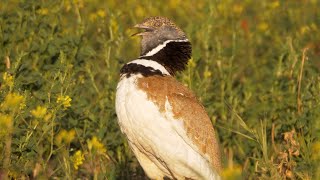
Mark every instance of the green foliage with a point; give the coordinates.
(255, 67)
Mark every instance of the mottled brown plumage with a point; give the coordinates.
(187, 108)
(157, 22)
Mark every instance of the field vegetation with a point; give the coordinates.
(255, 67)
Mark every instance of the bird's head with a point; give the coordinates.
(157, 30)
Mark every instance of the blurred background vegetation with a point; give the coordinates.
(255, 67)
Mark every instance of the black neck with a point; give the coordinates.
(133, 68)
(174, 56)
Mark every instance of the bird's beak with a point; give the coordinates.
(143, 27)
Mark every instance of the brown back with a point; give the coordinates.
(186, 107)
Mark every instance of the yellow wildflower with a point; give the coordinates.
(12, 101)
(61, 135)
(191, 63)
(232, 173)
(5, 121)
(95, 144)
(316, 151)
(65, 101)
(47, 117)
(237, 8)
(207, 74)
(77, 159)
(67, 5)
(114, 25)
(70, 136)
(304, 29)
(101, 13)
(93, 17)
(39, 112)
(174, 3)
(22, 104)
(43, 11)
(7, 79)
(274, 4)
(263, 26)
(65, 136)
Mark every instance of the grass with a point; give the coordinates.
(255, 67)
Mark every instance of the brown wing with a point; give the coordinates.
(185, 106)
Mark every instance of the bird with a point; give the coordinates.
(167, 127)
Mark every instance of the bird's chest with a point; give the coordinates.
(125, 91)
(139, 118)
(137, 115)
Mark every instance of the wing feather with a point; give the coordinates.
(187, 108)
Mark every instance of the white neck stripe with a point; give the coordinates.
(161, 46)
(149, 63)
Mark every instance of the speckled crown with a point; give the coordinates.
(158, 21)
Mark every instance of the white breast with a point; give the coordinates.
(153, 137)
